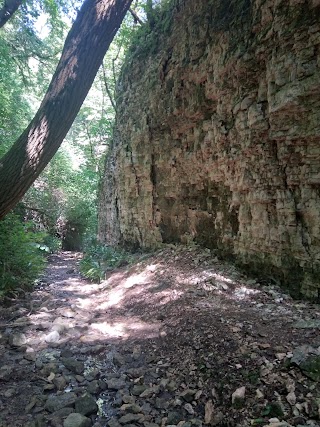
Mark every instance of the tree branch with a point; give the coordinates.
(85, 47)
(8, 10)
(135, 17)
(107, 88)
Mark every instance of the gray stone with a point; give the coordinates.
(6, 372)
(307, 359)
(93, 387)
(174, 417)
(60, 383)
(86, 405)
(131, 407)
(74, 365)
(188, 395)
(63, 412)
(77, 420)
(113, 422)
(238, 397)
(307, 324)
(18, 339)
(118, 360)
(115, 384)
(52, 337)
(130, 418)
(54, 403)
(137, 389)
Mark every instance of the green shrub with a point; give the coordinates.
(21, 255)
(100, 258)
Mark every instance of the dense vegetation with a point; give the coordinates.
(59, 210)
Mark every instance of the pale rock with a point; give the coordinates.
(52, 337)
(18, 339)
(238, 396)
(209, 411)
(291, 398)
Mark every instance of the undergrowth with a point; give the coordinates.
(22, 255)
(99, 258)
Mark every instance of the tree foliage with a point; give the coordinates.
(64, 198)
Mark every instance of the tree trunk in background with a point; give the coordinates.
(8, 10)
(86, 44)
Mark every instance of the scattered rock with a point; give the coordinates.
(307, 359)
(52, 337)
(77, 420)
(138, 389)
(174, 417)
(54, 403)
(188, 395)
(18, 339)
(307, 324)
(74, 365)
(6, 372)
(238, 397)
(189, 408)
(209, 409)
(86, 405)
(115, 384)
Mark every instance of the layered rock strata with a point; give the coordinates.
(218, 138)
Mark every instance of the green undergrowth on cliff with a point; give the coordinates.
(99, 258)
(146, 40)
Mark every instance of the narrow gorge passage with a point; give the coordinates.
(176, 339)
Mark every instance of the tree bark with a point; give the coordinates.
(8, 10)
(86, 44)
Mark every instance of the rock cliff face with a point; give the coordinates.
(218, 138)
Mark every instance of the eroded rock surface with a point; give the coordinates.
(218, 137)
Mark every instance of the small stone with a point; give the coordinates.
(291, 398)
(30, 354)
(18, 339)
(60, 383)
(93, 387)
(130, 418)
(174, 418)
(68, 313)
(259, 394)
(118, 360)
(115, 384)
(86, 405)
(137, 389)
(238, 397)
(188, 407)
(150, 391)
(54, 403)
(131, 407)
(126, 398)
(113, 422)
(209, 408)
(77, 420)
(6, 372)
(74, 365)
(52, 337)
(188, 395)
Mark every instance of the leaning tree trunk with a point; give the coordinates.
(8, 10)
(86, 44)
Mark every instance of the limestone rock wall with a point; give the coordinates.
(218, 138)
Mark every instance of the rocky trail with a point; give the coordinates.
(178, 338)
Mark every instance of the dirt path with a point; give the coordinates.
(178, 339)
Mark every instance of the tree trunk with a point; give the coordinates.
(8, 10)
(86, 44)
